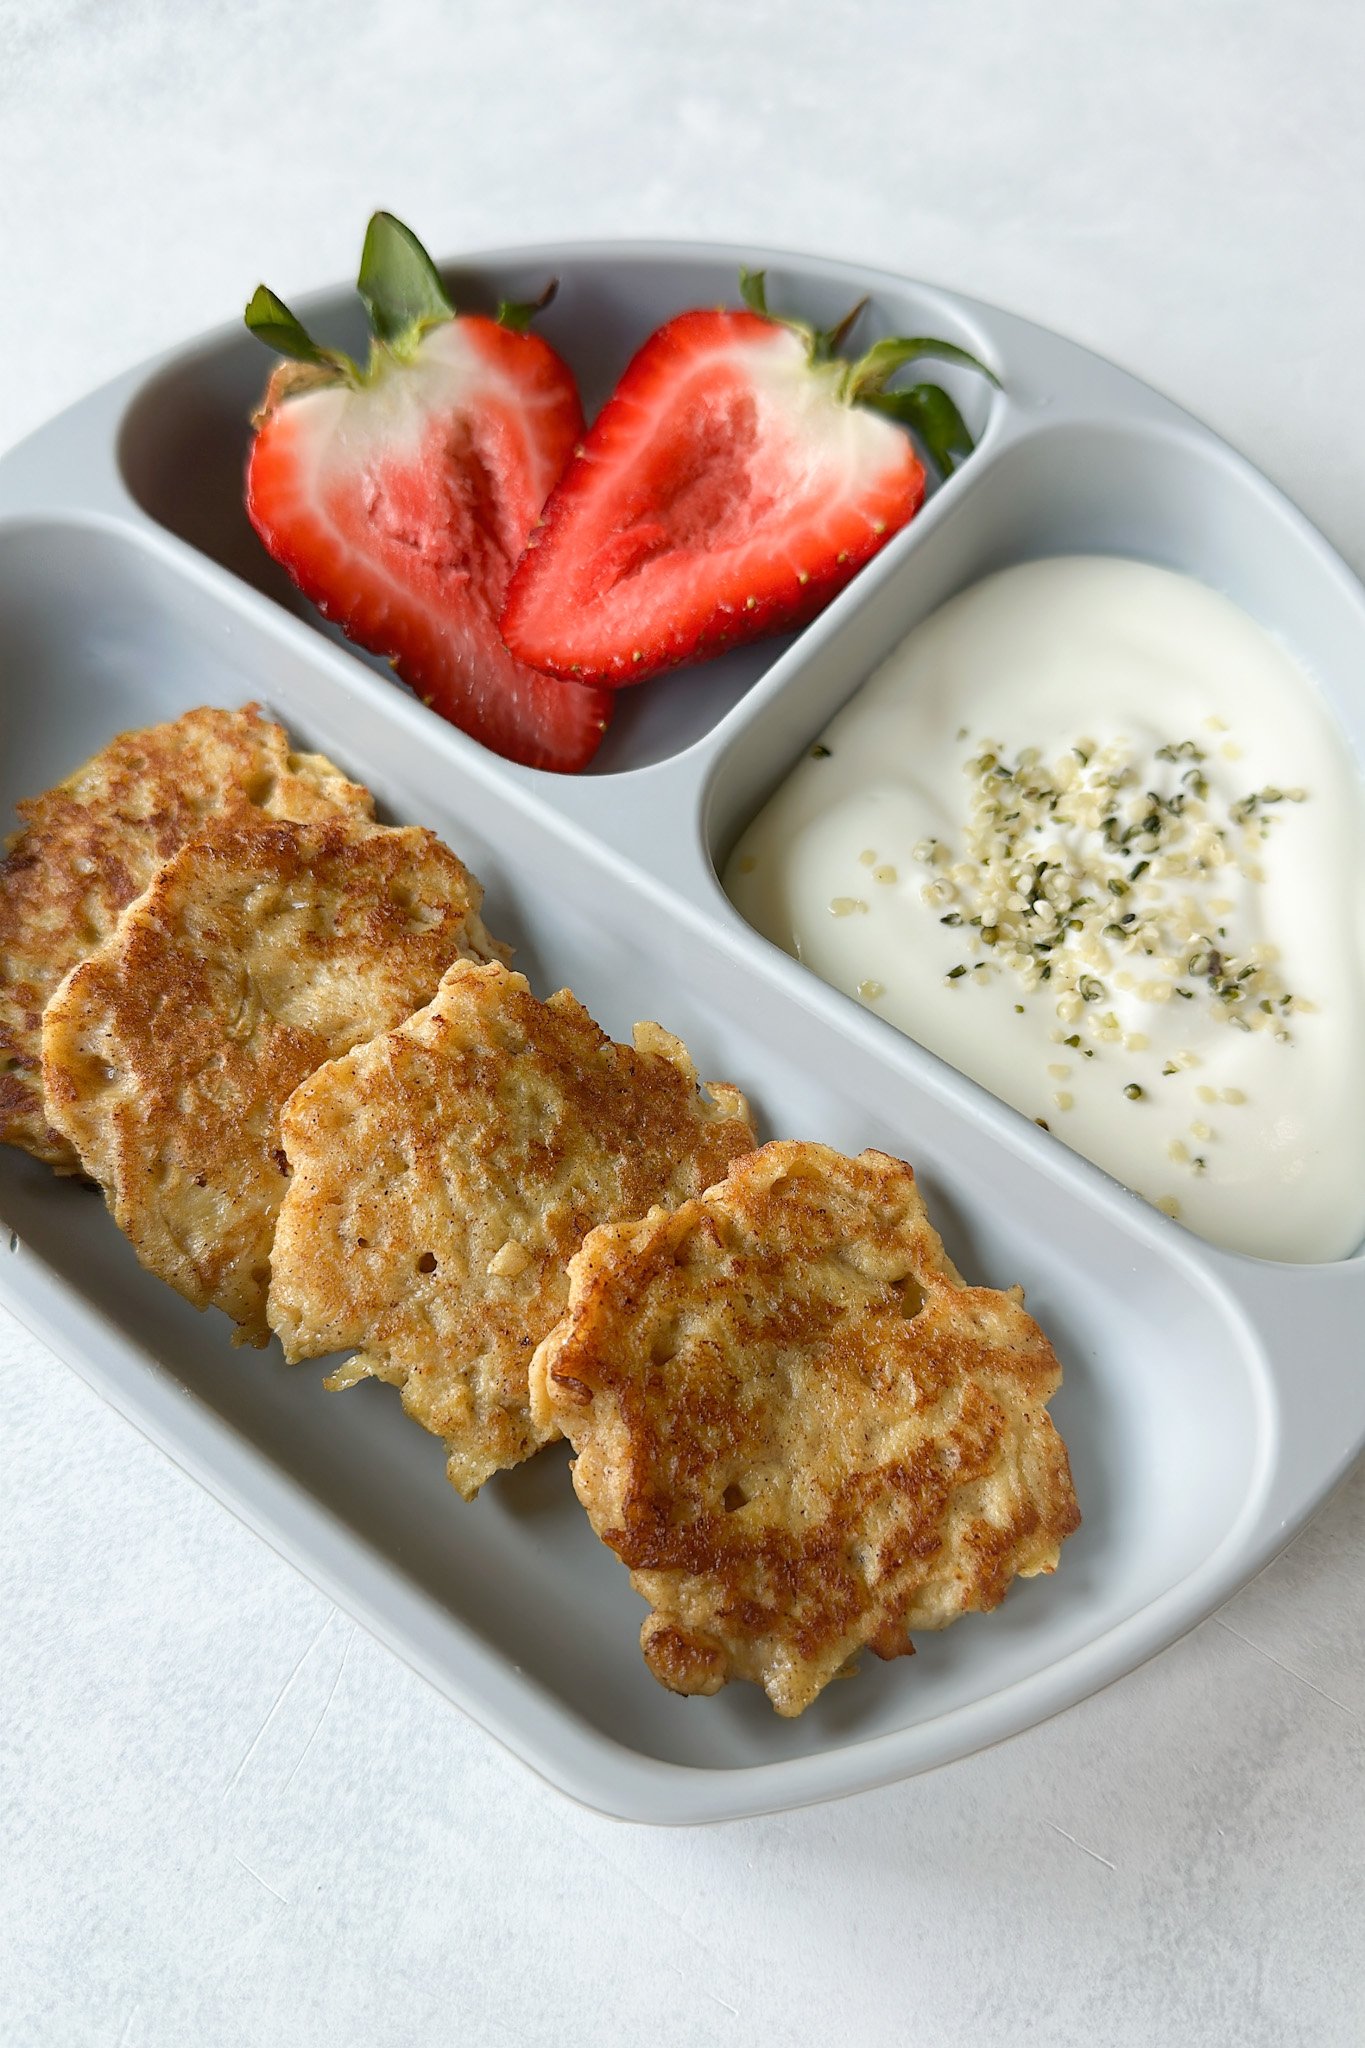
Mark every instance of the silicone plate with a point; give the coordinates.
(1210, 1401)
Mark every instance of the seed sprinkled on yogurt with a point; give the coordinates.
(1072, 872)
(1086, 883)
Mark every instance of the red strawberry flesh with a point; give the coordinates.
(400, 507)
(725, 492)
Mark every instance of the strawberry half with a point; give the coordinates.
(739, 475)
(399, 496)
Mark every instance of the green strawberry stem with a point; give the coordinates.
(926, 409)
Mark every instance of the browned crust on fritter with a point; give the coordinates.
(443, 1176)
(90, 845)
(259, 951)
(797, 1427)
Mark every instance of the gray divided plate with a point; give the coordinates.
(1211, 1401)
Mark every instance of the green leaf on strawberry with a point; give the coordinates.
(830, 340)
(932, 418)
(753, 289)
(871, 372)
(271, 321)
(400, 285)
(519, 313)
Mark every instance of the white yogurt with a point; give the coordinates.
(1218, 1066)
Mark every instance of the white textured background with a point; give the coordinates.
(226, 1816)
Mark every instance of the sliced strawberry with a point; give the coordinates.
(729, 487)
(399, 497)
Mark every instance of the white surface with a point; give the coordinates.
(229, 1817)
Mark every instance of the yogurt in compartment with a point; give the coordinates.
(1091, 835)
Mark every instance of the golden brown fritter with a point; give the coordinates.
(797, 1426)
(443, 1176)
(259, 951)
(94, 842)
